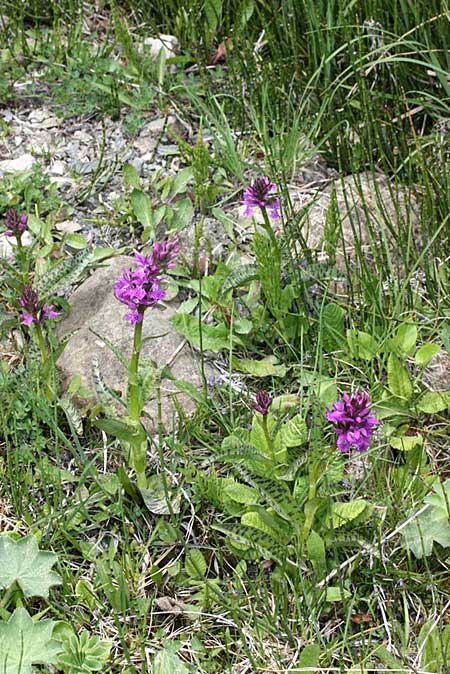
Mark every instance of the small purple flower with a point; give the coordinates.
(33, 313)
(15, 224)
(142, 288)
(261, 195)
(263, 402)
(352, 423)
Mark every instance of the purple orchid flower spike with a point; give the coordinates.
(262, 402)
(261, 195)
(33, 313)
(142, 288)
(352, 423)
(15, 224)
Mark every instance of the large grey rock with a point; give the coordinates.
(22, 163)
(367, 205)
(93, 306)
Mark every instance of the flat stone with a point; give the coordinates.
(58, 168)
(22, 163)
(436, 375)
(8, 244)
(169, 43)
(366, 204)
(93, 306)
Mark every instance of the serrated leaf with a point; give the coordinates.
(342, 513)
(434, 401)
(24, 643)
(155, 500)
(426, 353)
(83, 653)
(195, 564)
(431, 525)
(22, 562)
(168, 662)
(399, 382)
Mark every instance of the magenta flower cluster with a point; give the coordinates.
(263, 402)
(261, 195)
(352, 423)
(142, 287)
(33, 312)
(15, 224)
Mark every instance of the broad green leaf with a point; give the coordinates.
(406, 442)
(361, 344)
(342, 513)
(399, 382)
(431, 525)
(266, 367)
(310, 656)
(182, 214)
(155, 500)
(167, 662)
(434, 401)
(333, 332)
(405, 338)
(195, 564)
(256, 520)
(276, 450)
(76, 241)
(22, 562)
(130, 177)
(142, 208)
(315, 548)
(294, 432)
(24, 643)
(214, 337)
(336, 594)
(180, 183)
(426, 353)
(241, 493)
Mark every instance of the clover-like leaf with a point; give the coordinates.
(24, 643)
(432, 524)
(22, 562)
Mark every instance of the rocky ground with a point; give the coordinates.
(84, 157)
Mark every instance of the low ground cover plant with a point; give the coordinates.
(298, 519)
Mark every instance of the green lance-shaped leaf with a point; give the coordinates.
(399, 382)
(22, 562)
(24, 643)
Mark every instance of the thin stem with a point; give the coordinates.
(162, 462)
(134, 407)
